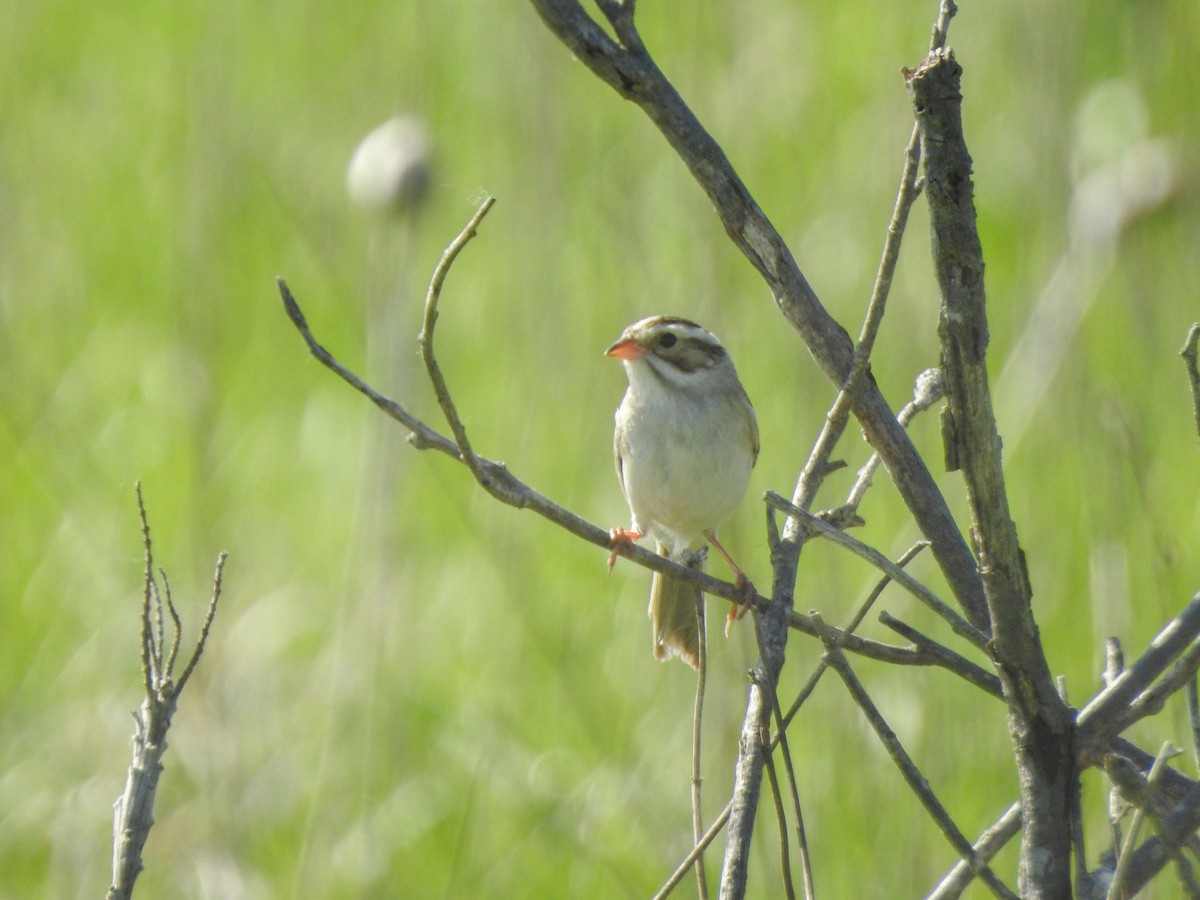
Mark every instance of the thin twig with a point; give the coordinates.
(214, 599)
(1190, 355)
(940, 655)
(961, 626)
(1104, 716)
(1151, 701)
(845, 636)
(1175, 804)
(176, 625)
(133, 811)
(908, 769)
(946, 11)
(1142, 807)
(991, 842)
(425, 339)
(697, 721)
(690, 860)
(1114, 660)
(149, 589)
(1193, 705)
(785, 861)
(422, 436)
(780, 739)
(928, 389)
(906, 196)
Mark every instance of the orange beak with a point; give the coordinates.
(627, 348)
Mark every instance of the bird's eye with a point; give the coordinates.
(667, 341)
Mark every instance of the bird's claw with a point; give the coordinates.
(620, 536)
(739, 608)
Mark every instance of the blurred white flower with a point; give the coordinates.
(389, 171)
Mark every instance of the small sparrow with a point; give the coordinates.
(686, 439)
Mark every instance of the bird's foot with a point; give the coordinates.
(739, 608)
(620, 536)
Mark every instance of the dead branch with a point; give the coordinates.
(1041, 725)
(133, 812)
(912, 775)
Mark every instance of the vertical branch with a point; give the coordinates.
(1040, 723)
(1190, 355)
(697, 732)
(133, 812)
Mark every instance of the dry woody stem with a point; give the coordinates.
(133, 812)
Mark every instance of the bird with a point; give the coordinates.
(685, 442)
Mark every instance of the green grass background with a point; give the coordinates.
(411, 691)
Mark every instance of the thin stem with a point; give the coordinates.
(697, 721)
(441, 391)
(701, 845)
(961, 626)
(908, 769)
(991, 842)
(1190, 355)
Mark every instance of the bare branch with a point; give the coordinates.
(836, 418)
(1190, 354)
(1151, 701)
(927, 390)
(176, 625)
(440, 390)
(785, 861)
(218, 574)
(946, 12)
(1179, 824)
(1137, 791)
(150, 664)
(1104, 716)
(422, 436)
(697, 731)
(844, 639)
(990, 843)
(912, 775)
(133, 812)
(1041, 725)
(781, 741)
(1193, 705)
(960, 625)
(939, 655)
(690, 860)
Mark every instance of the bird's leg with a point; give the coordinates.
(736, 611)
(621, 536)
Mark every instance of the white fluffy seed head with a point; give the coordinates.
(389, 171)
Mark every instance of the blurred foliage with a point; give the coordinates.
(410, 690)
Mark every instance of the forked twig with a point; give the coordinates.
(1107, 713)
(425, 340)
(133, 812)
(960, 625)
